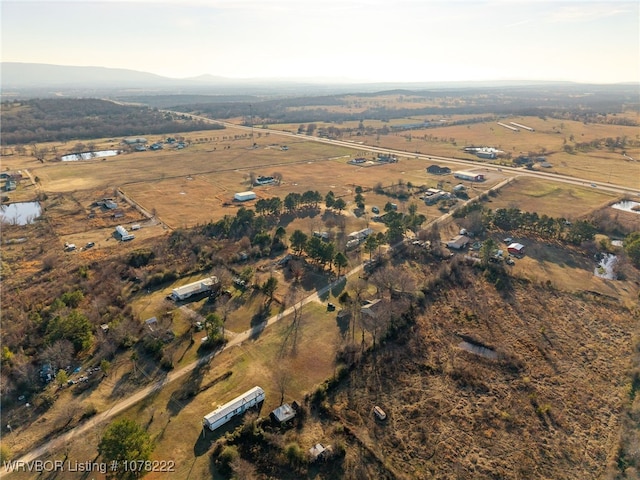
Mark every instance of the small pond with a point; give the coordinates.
(74, 157)
(627, 206)
(20, 213)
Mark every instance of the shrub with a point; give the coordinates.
(294, 454)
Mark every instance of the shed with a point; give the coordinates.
(283, 413)
(244, 196)
(152, 323)
(319, 451)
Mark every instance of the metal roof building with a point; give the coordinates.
(238, 405)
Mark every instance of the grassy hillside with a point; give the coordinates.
(544, 387)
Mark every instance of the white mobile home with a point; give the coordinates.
(237, 406)
(201, 286)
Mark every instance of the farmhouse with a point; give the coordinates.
(237, 406)
(438, 170)
(244, 196)
(387, 158)
(371, 308)
(201, 286)
(470, 176)
(360, 234)
(432, 195)
(516, 249)
(357, 160)
(123, 234)
(459, 242)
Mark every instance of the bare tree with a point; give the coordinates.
(282, 377)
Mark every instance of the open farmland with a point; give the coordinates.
(550, 198)
(567, 145)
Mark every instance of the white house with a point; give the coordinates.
(237, 406)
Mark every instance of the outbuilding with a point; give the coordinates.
(283, 413)
(244, 196)
(123, 234)
(469, 176)
(516, 249)
(459, 242)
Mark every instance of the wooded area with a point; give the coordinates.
(46, 120)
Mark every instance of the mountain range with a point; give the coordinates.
(27, 79)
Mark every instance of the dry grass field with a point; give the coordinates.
(550, 198)
(549, 409)
(548, 139)
(451, 414)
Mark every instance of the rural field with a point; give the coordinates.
(554, 398)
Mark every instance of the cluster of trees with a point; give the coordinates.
(631, 246)
(319, 251)
(510, 219)
(57, 324)
(46, 120)
(247, 223)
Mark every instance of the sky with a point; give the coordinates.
(360, 40)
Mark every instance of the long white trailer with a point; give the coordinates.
(201, 286)
(237, 406)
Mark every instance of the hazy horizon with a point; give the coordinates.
(347, 40)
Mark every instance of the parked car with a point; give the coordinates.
(375, 209)
(90, 245)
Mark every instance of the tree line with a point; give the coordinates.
(47, 120)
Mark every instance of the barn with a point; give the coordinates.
(237, 406)
(123, 234)
(469, 176)
(244, 196)
(516, 249)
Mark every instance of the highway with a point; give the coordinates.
(618, 189)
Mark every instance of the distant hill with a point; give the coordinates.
(40, 75)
